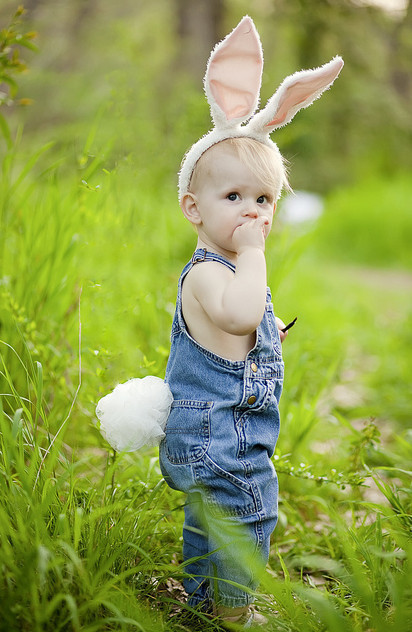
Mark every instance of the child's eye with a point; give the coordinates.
(232, 197)
(262, 199)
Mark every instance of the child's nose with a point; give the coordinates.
(250, 210)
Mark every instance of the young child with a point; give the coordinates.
(225, 369)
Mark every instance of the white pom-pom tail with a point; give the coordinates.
(135, 413)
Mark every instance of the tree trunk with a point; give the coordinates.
(198, 30)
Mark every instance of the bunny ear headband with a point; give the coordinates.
(232, 85)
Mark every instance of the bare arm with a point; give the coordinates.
(236, 302)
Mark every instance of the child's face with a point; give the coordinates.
(227, 195)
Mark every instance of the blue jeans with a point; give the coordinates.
(225, 550)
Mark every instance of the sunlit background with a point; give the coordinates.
(136, 68)
(99, 100)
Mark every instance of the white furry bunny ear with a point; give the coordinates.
(233, 75)
(296, 92)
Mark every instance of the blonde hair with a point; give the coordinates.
(266, 163)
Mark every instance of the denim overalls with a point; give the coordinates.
(220, 436)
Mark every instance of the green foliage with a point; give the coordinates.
(369, 223)
(11, 40)
(75, 550)
(93, 542)
(91, 247)
(131, 60)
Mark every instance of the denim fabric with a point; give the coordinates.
(220, 436)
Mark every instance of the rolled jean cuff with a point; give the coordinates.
(230, 601)
(204, 604)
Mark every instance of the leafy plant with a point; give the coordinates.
(12, 39)
(91, 248)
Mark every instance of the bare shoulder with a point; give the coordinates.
(203, 291)
(206, 277)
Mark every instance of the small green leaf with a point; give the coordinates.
(17, 423)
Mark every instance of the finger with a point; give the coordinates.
(282, 335)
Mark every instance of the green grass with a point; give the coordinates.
(88, 268)
(369, 223)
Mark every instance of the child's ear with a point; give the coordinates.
(274, 208)
(189, 206)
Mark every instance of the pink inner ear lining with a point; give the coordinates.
(235, 70)
(300, 91)
(282, 115)
(234, 103)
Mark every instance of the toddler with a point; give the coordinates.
(225, 369)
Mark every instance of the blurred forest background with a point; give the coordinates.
(136, 67)
(99, 100)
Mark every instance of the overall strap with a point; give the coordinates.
(199, 256)
(202, 254)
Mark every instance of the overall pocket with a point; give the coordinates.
(225, 493)
(187, 431)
